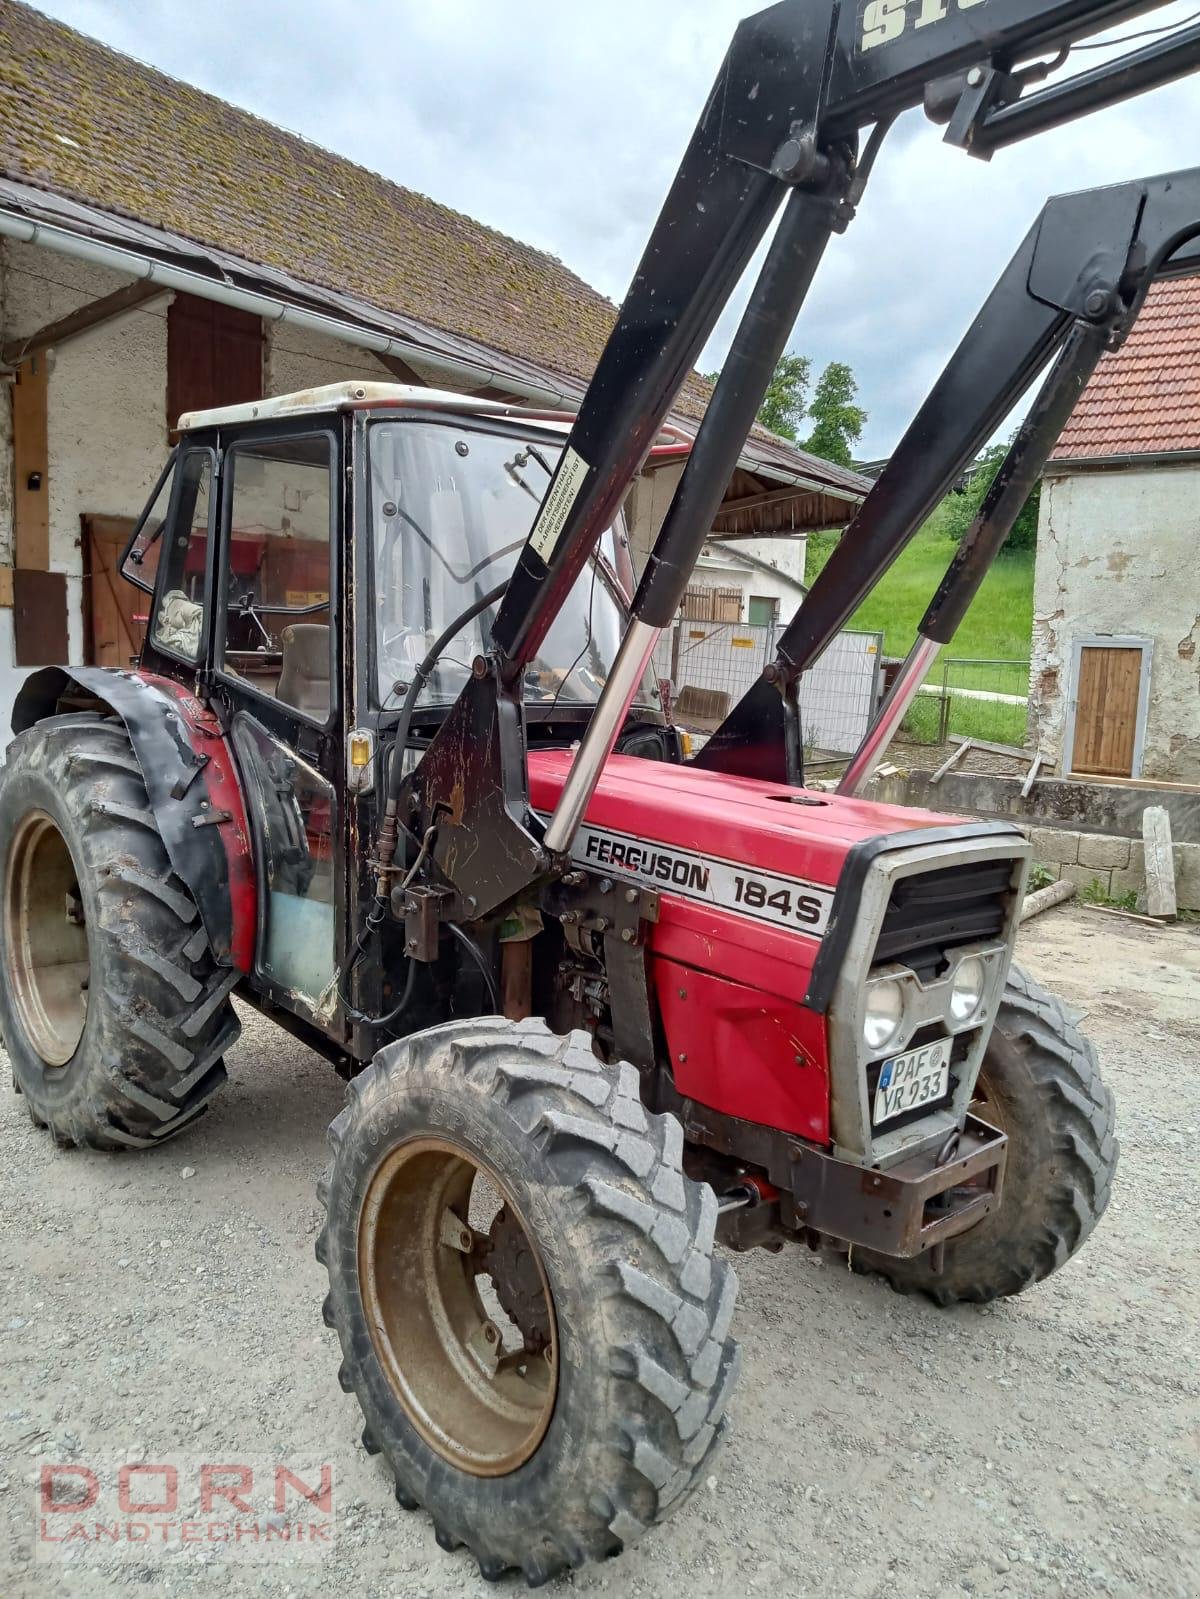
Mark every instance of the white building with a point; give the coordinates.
(1116, 635)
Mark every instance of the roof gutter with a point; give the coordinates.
(459, 374)
(1145, 458)
(455, 373)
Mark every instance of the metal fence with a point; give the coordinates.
(984, 699)
(710, 665)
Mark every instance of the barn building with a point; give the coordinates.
(163, 251)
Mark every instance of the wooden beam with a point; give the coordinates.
(31, 466)
(1130, 916)
(952, 760)
(1043, 898)
(1160, 862)
(749, 502)
(400, 369)
(1031, 775)
(1142, 783)
(986, 744)
(87, 317)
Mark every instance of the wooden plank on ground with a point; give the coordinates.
(1160, 862)
(951, 760)
(1130, 916)
(994, 749)
(1043, 898)
(1031, 775)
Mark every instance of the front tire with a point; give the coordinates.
(620, 1371)
(113, 1011)
(1040, 1084)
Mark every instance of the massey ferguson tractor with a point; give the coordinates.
(390, 768)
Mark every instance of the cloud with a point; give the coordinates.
(563, 126)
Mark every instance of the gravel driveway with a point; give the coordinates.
(168, 1306)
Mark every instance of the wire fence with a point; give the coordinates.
(984, 699)
(710, 665)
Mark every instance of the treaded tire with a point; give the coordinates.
(159, 1018)
(642, 1305)
(1041, 1076)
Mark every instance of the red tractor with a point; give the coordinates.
(390, 769)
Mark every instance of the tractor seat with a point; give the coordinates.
(304, 673)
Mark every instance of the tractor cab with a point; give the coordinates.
(303, 554)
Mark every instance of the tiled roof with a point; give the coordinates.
(1145, 398)
(85, 122)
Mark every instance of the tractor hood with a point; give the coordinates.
(800, 834)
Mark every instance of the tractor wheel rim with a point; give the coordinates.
(478, 1389)
(45, 939)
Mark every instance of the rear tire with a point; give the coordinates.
(113, 1011)
(1041, 1085)
(641, 1362)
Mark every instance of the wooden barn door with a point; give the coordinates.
(1107, 696)
(114, 610)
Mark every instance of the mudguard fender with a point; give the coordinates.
(192, 782)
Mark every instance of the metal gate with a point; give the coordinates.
(710, 665)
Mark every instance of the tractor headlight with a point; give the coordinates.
(883, 1014)
(966, 991)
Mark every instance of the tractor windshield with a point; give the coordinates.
(450, 510)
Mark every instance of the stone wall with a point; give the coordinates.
(1085, 832)
(1116, 865)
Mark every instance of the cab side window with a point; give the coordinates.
(139, 561)
(276, 570)
(178, 625)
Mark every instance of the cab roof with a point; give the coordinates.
(360, 396)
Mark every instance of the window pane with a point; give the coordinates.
(293, 807)
(450, 511)
(141, 564)
(277, 570)
(179, 614)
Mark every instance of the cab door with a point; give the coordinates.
(277, 672)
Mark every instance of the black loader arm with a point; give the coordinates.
(799, 84)
(1072, 290)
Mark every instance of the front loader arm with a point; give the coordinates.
(799, 84)
(1074, 286)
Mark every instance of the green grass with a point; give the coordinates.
(997, 627)
(1096, 894)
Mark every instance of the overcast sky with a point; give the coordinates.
(563, 125)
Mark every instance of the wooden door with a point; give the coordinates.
(1106, 710)
(115, 611)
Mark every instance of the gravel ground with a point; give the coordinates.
(168, 1305)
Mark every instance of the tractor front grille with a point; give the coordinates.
(934, 912)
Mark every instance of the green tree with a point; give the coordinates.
(786, 399)
(839, 422)
(959, 510)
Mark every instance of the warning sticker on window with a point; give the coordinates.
(562, 496)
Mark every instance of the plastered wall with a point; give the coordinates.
(106, 406)
(1119, 553)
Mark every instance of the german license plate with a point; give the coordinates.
(916, 1078)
